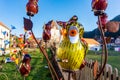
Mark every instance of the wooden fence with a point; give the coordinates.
(108, 74)
(87, 72)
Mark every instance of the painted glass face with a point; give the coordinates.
(73, 34)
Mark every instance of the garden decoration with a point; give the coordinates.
(103, 21)
(50, 35)
(46, 32)
(22, 64)
(46, 35)
(72, 49)
(32, 9)
(25, 65)
(113, 26)
(16, 54)
(99, 7)
(14, 57)
(63, 29)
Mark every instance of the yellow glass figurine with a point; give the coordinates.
(72, 49)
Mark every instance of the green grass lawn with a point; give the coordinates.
(39, 72)
(113, 58)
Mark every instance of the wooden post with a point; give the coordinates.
(115, 75)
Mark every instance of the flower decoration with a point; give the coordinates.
(21, 45)
(46, 32)
(99, 6)
(104, 20)
(25, 65)
(28, 24)
(32, 7)
(14, 56)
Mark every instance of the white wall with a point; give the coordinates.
(55, 35)
(117, 41)
(117, 48)
(2, 37)
(94, 47)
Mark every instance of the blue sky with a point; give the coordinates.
(13, 11)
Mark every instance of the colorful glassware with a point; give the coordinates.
(32, 7)
(99, 6)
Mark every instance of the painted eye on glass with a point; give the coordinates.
(73, 32)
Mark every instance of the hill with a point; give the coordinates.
(96, 33)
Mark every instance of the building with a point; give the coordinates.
(117, 41)
(117, 44)
(4, 35)
(93, 44)
(53, 31)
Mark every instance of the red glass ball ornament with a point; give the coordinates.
(103, 19)
(62, 24)
(24, 69)
(46, 32)
(47, 27)
(113, 26)
(99, 6)
(25, 65)
(26, 59)
(46, 35)
(33, 0)
(32, 7)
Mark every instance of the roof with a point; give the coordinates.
(91, 41)
(52, 23)
(4, 26)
